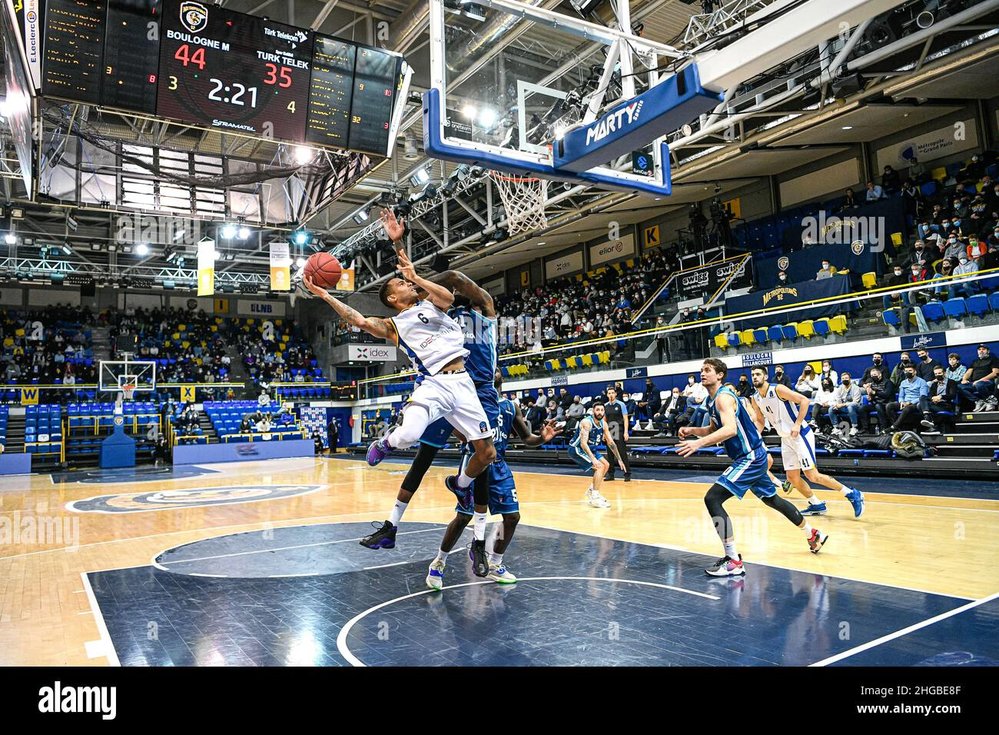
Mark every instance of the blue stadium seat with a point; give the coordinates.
(822, 327)
(955, 308)
(760, 335)
(776, 333)
(933, 311)
(978, 304)
(889, 317)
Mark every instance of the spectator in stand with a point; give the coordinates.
(917, 171)
(827, 271)
(978, 385)
(880, 392)
(954, 248)
(946, 277)
(823, 403)
(904, 413)
(846, 401)
(665, 420)
(874, 192)
(977, 249)
(828, 372)
(912, 198)
(955, 370)
(878, 363)
(965, 267)
(534, 415)
(780, 377)
(564, 399)
(574, 413)
(896, 279)
(898, 373)
(808, 383)
(849, 201)
(938, 404)
(926, 365)
(553, 411)
(891, 182)
(744, 389)
(649, 405)
(695, 393)
(333, 435)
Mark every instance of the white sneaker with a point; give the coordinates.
(990, 404)
(435, 577)
(836, 431)
(853, 431)
(596, 500)
(500, 574)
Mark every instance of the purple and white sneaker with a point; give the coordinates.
(464, 495)
(378, 451)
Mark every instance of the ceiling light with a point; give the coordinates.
(304, 154)
(847, 127)
(244, 232)
(10, 238)
(142, 249)
(228, 231)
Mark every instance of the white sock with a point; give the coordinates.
(479, 526)
(808, 530)
(845, 490)
(496, 559)
(814, 500)
(464, 480)
(441, 556)
(730, 550)
(397, 510)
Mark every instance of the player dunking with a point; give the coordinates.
(732, 426)
(435, 344)
(786, 411)
(475, 312)
(502, 495)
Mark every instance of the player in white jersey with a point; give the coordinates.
(786, 411)
(435, 345)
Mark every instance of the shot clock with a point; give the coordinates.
(235, 72)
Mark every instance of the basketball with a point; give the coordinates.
(323, 269)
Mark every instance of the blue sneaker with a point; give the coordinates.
(464, 495)
(814, 510)
(856, 499)
(378, 451)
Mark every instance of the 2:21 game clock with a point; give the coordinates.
(233, 72)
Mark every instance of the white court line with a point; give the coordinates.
(904, 631)
(754, 563)
(382, 566)
(341, 639)
(265, 551)
(106, 647)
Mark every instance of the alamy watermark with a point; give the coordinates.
(31, 529)
(860, 231)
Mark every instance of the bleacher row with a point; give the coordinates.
(304, 393)
(957, 308)
(227, 416)
(43, 430)
(576, 362)
(807, 329)
(4, 411)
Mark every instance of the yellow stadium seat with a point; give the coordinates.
(19, 333)
(8, 342)
(587, 360)
(746, 337)
(721, 341)
(604, 357)
(185, 344)
(870, 280)
(838, 324)
(175, 336)
(181, 327)
(571, 363)
(806, 329)
(557, 364)
(249, 321)
(940, 174)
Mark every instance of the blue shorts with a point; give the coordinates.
(437, 434)
(749, 474)
(502, 490)
(582, 460)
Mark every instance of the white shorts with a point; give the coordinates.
(798, 454)
(453, 397)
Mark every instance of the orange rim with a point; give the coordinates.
(514, 179)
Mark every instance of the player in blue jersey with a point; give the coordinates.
(786, 411)
(591, 431)
(733, 428)
(502, 495)
(475, 312)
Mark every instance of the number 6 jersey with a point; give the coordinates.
(429, 337)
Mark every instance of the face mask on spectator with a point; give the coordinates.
(962, 261)
(898, 271)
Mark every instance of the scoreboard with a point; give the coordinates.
(210, 67)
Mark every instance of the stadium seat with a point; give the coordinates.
(933, 311)
(605, 357)
(587, 360)
(760, 335)
(806, 329)
(571, 363)
(721, 341)
(994, 300)
(748, 337)
(776, 333)
(733, 339)
(870, 280)
(955, 308)
(889, 317)
(978, 305)
(822, 327)
(790, 331)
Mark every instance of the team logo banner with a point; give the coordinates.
(206, 268)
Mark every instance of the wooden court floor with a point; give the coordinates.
(932, 544)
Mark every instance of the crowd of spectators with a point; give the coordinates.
(48, 346)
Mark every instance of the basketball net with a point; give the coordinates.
(127, 391)
(524, 200)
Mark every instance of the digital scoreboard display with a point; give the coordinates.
(73, 49)
(131, 56)
(210, 67)
(375, 81)
(234, 72)
(330, 92)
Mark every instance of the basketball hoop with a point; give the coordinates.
(127, 391)
(524, 200)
